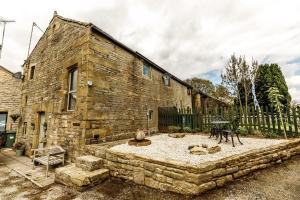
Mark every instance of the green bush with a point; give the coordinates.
(197, 130)
(257, 133)
(270, 135)
(242, 131)
(187, 129)
(174, 129)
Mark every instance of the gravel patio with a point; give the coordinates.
(164, 147)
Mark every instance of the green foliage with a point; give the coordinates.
(174, 129)
(242, 131)
(270, 135)
(197, 130)
(275, 98)
(270, 75)
(187, 129)
(204, 85)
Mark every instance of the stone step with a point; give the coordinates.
(78, 178)
(89, 162)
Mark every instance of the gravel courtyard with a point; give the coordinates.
(280, 182)
(164, 147)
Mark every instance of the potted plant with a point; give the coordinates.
(14, 117)
(20, 148)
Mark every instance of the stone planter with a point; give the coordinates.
(19, 152)
(140, 135)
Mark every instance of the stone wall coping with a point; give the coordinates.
(209, 165)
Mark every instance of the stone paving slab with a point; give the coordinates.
(23, 166)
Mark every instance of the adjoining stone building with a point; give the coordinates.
(10, 98)
(206, 102)
(82, 84)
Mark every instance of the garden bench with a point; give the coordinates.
(48, 156)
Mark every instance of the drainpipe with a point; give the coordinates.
(148, 124)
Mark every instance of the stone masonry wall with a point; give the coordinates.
(63, 45)
(121, 95)
(113, 107)
(10, 97)
(174, 176)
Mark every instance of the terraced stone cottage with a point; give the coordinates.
(80, 84)
(10, 88)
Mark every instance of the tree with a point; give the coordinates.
(270, 75)
(222, 93)
(204, 85)
(231, 77)
(275, 98)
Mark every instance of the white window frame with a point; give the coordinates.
(150, 113)
(150, 71)
(167, 77)
(71, 71)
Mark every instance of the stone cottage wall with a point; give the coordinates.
(64, 44)
(10, 97)
(113, 97)
(170, 175)
(121, 95)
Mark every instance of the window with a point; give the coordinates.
(150, 115)
(24, 128)
(166, 80)
(189, 91)
(26, 99)
(32, 68)
(147, 71)
(3, 118)
(72, 94)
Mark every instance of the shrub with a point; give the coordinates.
(174, 129)
(187, 129)
(257, 133)
(270, 135)
(197, 130)
(242, 131)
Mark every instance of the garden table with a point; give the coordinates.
(218, 127)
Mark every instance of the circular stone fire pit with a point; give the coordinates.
(138, 143)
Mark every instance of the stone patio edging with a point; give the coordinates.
(175, 176)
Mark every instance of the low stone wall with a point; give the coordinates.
(170, 175)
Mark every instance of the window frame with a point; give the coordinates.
(6, 115)
(24, 131)
(32, 72)
(150, 71)
(70, 72)
(168, 77)
(150, 115)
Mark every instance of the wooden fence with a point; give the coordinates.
(264, 119)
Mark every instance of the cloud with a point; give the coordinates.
(187, 38)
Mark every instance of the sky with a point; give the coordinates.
(193, 38)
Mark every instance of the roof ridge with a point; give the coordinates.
(73, 20)
(7, 70)
(120, 44)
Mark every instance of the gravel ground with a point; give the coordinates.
(164, 147)
(280, 182)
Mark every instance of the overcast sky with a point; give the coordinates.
(186, 37)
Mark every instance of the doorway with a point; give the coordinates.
(41, 130)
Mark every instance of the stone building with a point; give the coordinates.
(81, 84)
(10, 98)
(206, 102)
